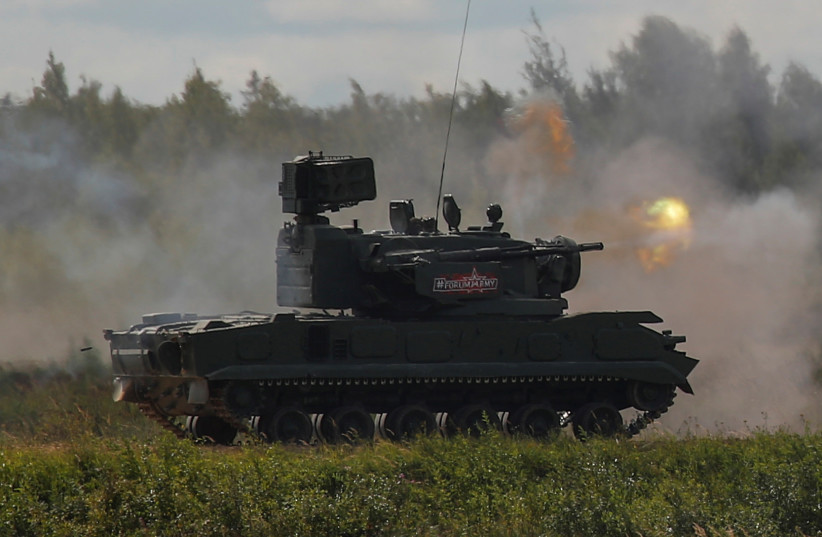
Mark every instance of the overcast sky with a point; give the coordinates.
(312, 48)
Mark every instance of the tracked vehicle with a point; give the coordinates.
(402, 332)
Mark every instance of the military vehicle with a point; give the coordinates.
(408, 331)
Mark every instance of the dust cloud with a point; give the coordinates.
(86, 246)
(744, 286)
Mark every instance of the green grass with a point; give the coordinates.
(74, 463)
(767, 484)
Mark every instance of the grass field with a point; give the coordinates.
(74, 463)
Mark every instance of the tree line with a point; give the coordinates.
(665, 81)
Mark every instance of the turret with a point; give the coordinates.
(413, 270)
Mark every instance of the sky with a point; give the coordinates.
(312, 49)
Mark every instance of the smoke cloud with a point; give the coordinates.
(86, 246)
(744, 289)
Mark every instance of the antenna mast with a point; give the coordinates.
(451, 117)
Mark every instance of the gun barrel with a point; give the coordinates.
(407, 258)
(485, 254)
(494, 254)
(590, 246)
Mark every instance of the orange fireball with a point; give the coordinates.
(543, 127)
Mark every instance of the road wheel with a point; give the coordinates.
(211, 429)
(349, 424)
(409, 421)
(536, 420)
(597, 419)
(473, 420)
(650, 397)
(288, 425)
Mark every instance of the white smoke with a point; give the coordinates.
(745, 292)
(86, 246)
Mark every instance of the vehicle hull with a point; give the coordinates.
(322, 362)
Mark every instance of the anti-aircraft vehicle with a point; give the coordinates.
(402, 332)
